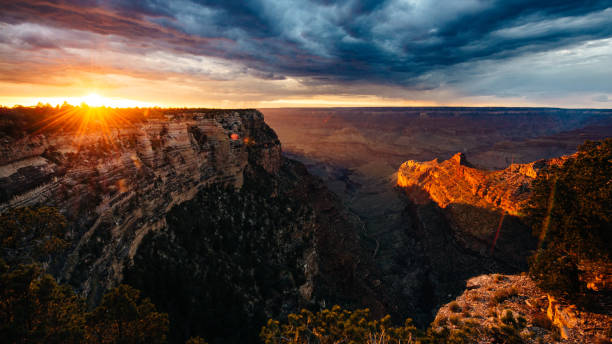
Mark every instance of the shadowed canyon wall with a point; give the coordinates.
(198, 210)
(426, 251)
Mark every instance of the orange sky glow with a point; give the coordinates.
(300, 54)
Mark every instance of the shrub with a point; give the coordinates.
(35, 309)
(454, 307)
(441, 321)
(124, 314)
(555, 271)
(196, 340)
(28, 235)
(455, 320)
(336, 325)
(502, 295)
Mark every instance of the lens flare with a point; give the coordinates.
(499, 227)
(546, 224)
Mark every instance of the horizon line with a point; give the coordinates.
(318, 107)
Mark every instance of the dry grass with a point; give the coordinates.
(502, 295)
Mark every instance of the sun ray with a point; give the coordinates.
(84, 120)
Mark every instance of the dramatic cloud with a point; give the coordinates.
(394, 50)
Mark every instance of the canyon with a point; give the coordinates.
(205, 213)
(423, 247)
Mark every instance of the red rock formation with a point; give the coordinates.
(456, 181)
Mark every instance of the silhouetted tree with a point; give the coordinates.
(124, 317)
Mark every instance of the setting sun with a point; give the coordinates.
(93, 99)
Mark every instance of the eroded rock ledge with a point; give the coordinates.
(489, 298)
(457, 181)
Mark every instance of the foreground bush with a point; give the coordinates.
(337, 326)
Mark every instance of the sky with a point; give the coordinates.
(283, 53)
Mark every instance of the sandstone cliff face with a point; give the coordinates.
(460, 220)
(482, 207)
(457, 181)
(116, 185)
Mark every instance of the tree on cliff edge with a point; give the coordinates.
(571, 212)
(29, 235)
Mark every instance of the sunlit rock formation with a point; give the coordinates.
(482, 207)
(456, 181)
(478, 206)
(488, 300)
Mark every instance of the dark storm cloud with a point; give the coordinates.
(391, 42)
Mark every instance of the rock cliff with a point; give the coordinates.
(461, 221)
(482, 207)
(456, 181)
(198, 209)
(117, 184)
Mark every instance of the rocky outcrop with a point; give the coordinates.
(564, 317)
(200, 211)
(116, 183)
(478, 205)
(460, 221)
(456, 181)
(538, 317)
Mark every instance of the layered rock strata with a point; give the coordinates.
(117, 184)
(200, 211)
